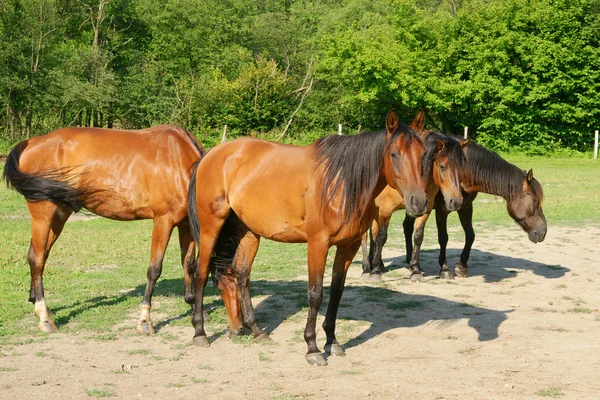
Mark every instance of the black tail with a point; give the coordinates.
(226, 248)
(49, 185)
(192, 209)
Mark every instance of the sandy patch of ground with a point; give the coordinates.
(524, 324)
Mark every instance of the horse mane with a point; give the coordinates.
(494, 174)
(452, 149)
(353, 165)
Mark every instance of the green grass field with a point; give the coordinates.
(95, 275)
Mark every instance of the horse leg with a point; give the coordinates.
(161, 232)
(47, 223)
(343, 259)
(441, 220)
(188, 247)
(243, 267)
(445, 272)
(380, 237)
(409, 228)
(209, 233)
(317, 258)
(366, 261)
(419, 230)
(465, 214)
(188, 259)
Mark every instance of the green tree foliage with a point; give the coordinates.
(521, 74)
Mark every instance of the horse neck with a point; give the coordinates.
(487, 172)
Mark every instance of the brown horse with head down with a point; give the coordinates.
(443, 165)
(116, 174)
(320, 194)
(487, 172)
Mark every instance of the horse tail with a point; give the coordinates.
(192, 207)
(41, 186)
(226, 248)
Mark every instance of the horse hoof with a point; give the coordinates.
(201, 341)
(205, 316)
(335, 349)
(316, 359)
(416, 277)
(145, 328)
(375, 277)
(461, 270)
(233, 334)
(263, 338)
(48, 327)
(384, 269)
(446, 275)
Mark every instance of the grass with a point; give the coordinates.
(582, 310)
(552, 391)
(96, 273)
(100, 393)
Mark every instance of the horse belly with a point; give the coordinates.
(122, 205)
(277, 226)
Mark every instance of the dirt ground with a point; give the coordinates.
(525, 324)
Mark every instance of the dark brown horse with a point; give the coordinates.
(486, 172)
(443, 164)
(320, 194)
(116, 174)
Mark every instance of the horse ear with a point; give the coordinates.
(530, 175)
(440, 145)
(391, 122)
(464, 143)
(419, 121)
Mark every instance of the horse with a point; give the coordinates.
(123, 175)
(321, 194)
(444, 161)
(487, 172)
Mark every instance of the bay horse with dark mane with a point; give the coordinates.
(117, 174)
(320, 194)
(487, 172)
(443, 165)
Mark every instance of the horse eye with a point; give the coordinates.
(395, 154)
(443, 168)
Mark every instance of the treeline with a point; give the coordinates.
(519, 73)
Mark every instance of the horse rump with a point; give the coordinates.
(53, 185)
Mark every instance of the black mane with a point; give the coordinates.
(353, 164)
(493, 173)
(452, 149)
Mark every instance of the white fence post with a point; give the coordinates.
(596, 145)
(339, 129)
(466, 132)
(224, 138)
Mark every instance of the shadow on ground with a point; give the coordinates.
(492, 267)
(381, 308)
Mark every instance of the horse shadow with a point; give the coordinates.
(287, 300)
(381, 308)
(493, 267)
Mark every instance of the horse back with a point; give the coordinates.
(134, 174)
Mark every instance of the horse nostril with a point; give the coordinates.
(413, 200)
(452, 203)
